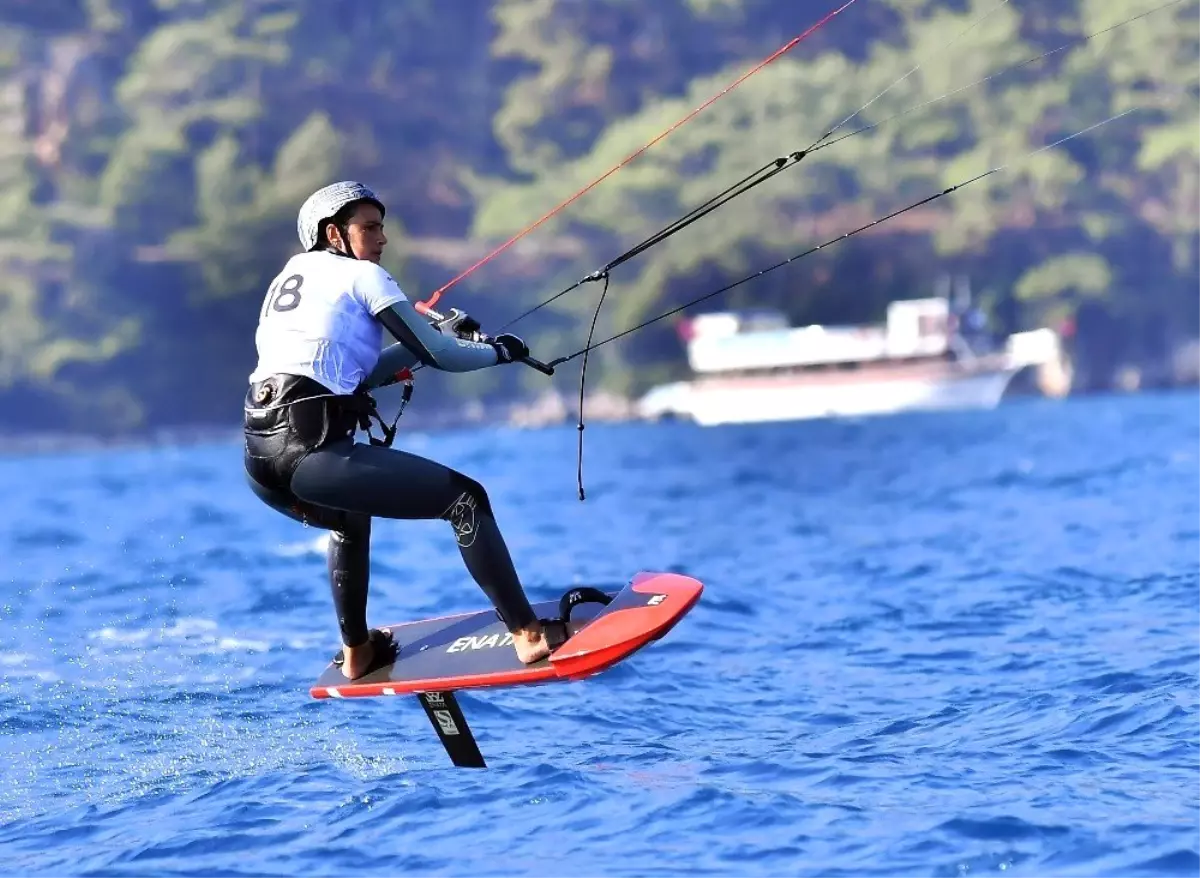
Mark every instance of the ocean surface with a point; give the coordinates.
(958, 644)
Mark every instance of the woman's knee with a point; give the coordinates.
(281, 501)
(311, 514)
(465, 511)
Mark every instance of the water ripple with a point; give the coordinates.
(930, 645)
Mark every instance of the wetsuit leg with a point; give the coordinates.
(348, 556)
(372, 481)
(349, 560)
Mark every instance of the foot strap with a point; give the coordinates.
(583, 595)
(555, 631)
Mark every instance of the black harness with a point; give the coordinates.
(288, 417)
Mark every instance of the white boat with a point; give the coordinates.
(752, 367)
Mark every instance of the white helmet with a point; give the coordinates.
(324, 204)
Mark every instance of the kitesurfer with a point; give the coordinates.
(319, 342)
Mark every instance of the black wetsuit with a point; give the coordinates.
(301, 459)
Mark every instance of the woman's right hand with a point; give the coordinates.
(509, 348)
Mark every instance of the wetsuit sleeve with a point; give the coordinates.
(446, 352)
(379, 293)
(392, 359)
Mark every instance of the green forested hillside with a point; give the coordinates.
(153, 155)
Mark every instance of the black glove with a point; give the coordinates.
(509, 347)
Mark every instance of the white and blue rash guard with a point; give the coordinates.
(323, 317)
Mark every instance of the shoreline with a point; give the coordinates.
(545, 411)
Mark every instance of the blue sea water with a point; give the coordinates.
(957, 644)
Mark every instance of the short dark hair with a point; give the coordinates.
(341, 219)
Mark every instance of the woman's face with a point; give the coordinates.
(365, 231)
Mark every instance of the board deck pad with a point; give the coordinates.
(474, 650)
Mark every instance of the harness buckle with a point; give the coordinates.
(263, 392)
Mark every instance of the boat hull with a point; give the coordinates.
(790, 397)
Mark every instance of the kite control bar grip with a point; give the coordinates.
(527, 360)
(537, 364)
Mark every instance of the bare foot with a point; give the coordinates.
(531, 644)
(357, 659)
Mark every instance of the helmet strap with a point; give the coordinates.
(345, 232)
(347, 249)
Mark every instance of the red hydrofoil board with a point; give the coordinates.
(474, 651)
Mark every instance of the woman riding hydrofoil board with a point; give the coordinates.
(319, 342)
